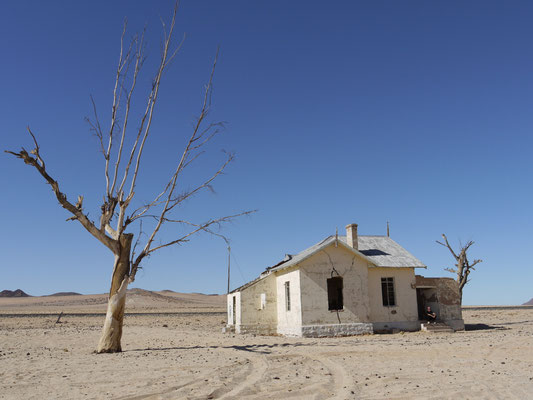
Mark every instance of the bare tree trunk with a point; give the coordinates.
(463, 266)
(112, 331)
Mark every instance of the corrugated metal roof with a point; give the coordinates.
(381, 251)
(385, 252)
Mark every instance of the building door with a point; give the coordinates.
(234, 310)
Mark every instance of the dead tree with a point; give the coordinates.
(463, 266)
(121, 170)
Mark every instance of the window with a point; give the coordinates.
(287, 296)
(387, 291)
(335, 301)
(263, 301)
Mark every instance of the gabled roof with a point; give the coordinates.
(385, 252)
(379, 251)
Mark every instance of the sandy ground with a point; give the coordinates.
(188, 357)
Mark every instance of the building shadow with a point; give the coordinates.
(484, 327)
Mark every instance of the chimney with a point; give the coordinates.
(351, 236)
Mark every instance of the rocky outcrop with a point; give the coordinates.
(13, 293)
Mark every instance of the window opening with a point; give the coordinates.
(287, 296)
(335, 300)
(387, 291)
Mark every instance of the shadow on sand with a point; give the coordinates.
(483, 327)
(253, 348)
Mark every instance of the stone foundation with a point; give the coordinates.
(409, 326)
(336, 330)
(256, 329)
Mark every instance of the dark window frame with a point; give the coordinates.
(388, 293)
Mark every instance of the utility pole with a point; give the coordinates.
(229, 254)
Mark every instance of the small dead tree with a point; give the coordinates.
(463, 266)
(121, 172)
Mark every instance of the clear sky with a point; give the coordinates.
(414, 112)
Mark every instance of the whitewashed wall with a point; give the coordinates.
(289, 322)
(406, 308)
(237, 296)
(316, 270)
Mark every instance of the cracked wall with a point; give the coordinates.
(316, 270)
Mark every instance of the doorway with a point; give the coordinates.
(427, 297)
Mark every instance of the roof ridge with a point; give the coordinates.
(363, 236)
(375, 236)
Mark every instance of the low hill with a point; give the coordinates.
(529, 303)
(137, 300)
(13, 293)
(65, 294)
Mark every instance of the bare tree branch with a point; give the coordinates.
(116, 102)
(447, 245)
(202, 227)
(152, 101)
(170, 202)
(463, 266)
(95, 127)
(197, 228)
(139, 59)
(76, 210)
(174, 201)
(185, 161)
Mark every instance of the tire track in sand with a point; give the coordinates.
(342, 387)
(258, 367)
(336, 382)
(199, 381)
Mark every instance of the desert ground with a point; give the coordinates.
(185, 355)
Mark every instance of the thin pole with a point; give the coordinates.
(229, 250)
(388, 234)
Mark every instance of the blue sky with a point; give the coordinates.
(413, 112)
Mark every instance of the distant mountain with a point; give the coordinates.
(529, 303)
(13, 293)
(65, 294)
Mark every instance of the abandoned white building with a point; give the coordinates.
(343, 285)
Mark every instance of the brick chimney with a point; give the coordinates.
(351, 236)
